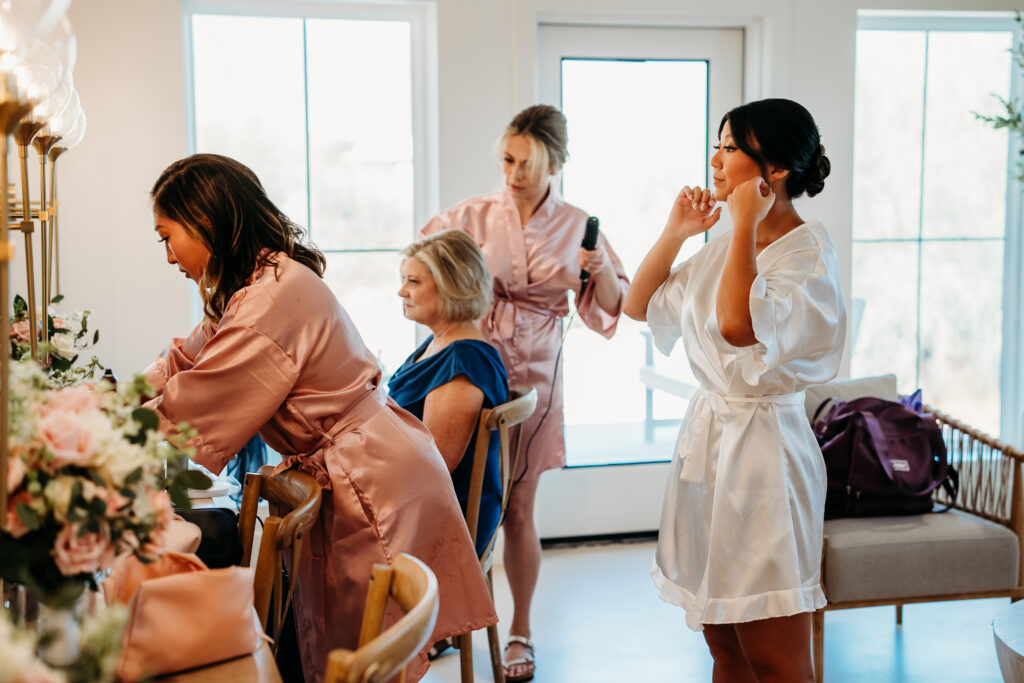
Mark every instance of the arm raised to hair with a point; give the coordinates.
(693, 212)
(749, 203)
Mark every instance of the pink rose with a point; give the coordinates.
(115, 503)
(15, 472)
(59, 323)
(39, 673)
(12, 524)
(164, 516)
(68, 437)
(20, 330)
(77, 553)
(76, 400)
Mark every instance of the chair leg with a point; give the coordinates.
(818, 636)
(495, 646)
(899, 614)
(466, 656)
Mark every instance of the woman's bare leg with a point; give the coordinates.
(522, 562)
(778, 649)
(730, 664)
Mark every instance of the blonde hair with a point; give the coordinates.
(544, 127)
(460, 273)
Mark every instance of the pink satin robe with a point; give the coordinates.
(534, 268)
(285, 359)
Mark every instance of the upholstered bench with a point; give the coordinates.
(971, 551)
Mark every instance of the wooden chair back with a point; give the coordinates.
(520, 405)
(381, 655)
(294, 499)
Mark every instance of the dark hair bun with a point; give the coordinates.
(814, 178)
(779, 132)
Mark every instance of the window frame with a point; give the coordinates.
(1011, 374)
(422, 19)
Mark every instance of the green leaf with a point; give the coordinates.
(96, 337)
(57, 299)
(97, 507)
(29, 517)
(134, 476)
(146, 417)
(179, 498)
(20, 307)
(193, 479)
(148, 421)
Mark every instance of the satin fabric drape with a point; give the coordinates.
(285, 359)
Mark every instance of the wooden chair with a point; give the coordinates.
(521, 404)
(381, 655)
(972, 551)
(294, 499)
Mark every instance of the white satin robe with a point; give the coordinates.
(741, 526)
(285, 359)
(534, 268)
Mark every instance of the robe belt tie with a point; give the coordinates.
(697, 439)
(312, 462)
(505, 315)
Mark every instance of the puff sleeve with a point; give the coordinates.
(665, 309)
(799, 320)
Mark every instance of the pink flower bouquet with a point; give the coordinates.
(68, 335)
(87, 479)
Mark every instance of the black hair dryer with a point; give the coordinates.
(589, 243)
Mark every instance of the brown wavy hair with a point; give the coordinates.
(222, 204)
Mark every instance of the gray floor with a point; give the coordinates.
(597, 618)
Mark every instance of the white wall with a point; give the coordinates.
(130, 77)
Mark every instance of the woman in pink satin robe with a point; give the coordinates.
(532, 240)
(278, 354)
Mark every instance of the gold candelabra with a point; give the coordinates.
(37, 53)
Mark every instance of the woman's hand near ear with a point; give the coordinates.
(750, 202)
(693, 212)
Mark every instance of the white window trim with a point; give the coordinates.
(756, 37)
(422, 18)
(1011, 373)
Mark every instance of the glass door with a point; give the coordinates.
(643, 106)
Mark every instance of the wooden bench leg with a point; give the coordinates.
(899, 615)
(818, 636)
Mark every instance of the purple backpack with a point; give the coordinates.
(882, 458)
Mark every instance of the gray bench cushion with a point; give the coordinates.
(877, 558)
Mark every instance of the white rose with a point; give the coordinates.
(58, 494)
(63, 344)
(116, 459)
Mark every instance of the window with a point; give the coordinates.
(628, 179)
(930, 211)
(321, 102)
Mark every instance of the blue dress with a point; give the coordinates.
(481, 364)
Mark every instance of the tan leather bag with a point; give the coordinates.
(181, 614)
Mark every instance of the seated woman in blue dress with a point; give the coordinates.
(454, 374)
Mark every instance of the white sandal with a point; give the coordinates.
(528, 659)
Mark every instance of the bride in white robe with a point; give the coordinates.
(761, 316)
